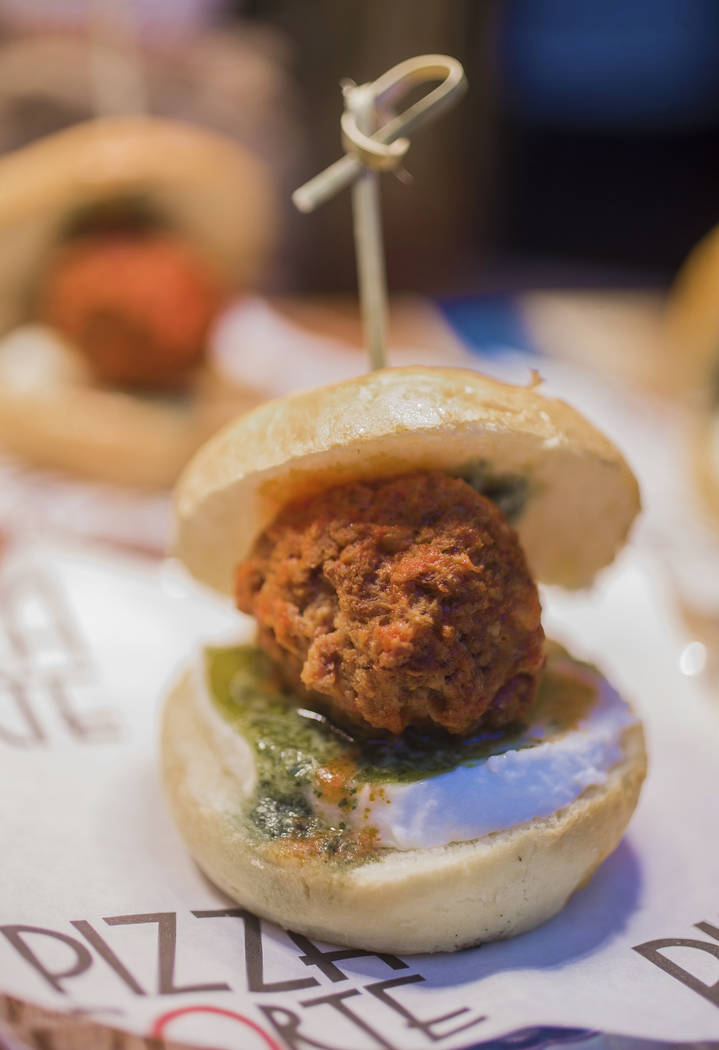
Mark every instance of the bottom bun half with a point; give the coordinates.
(406, 901)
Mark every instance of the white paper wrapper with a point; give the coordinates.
(103, 913)
(102, 909)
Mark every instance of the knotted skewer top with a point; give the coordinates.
(371, 149)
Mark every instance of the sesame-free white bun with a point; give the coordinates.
(200, 187)
(691, 322)
(691, 337)
(582, 496)
(704, 451)
(417, 900)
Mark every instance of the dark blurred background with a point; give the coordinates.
(586, 151)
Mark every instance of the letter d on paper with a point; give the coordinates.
(652, 950)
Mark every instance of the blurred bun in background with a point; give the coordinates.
(691, 321)
(691, 334)
(125, 236)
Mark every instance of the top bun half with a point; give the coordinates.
(581, 496)
(199, 185)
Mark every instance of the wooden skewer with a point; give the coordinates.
(369, 244)
(371, 150)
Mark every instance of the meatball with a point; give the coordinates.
(396, 603)
(138, 307)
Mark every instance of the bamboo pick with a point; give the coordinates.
(369, 245)
(396, 80)
(371, 150)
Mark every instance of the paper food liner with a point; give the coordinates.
(103, 911)
(106, 921)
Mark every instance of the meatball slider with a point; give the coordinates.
(122, 239)
(398, 762)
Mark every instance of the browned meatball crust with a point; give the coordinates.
(137, 306)
(399, 602)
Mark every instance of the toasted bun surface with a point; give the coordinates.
(204, 187)
(53, 415)
(582, 495)
(419, 900)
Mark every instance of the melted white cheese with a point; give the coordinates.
(235, 752)
(503, 790)
(477, 797)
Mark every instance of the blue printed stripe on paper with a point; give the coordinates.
(547, 1038)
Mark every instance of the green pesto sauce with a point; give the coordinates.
(294, 746)
(287, 748)
(510, 492)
